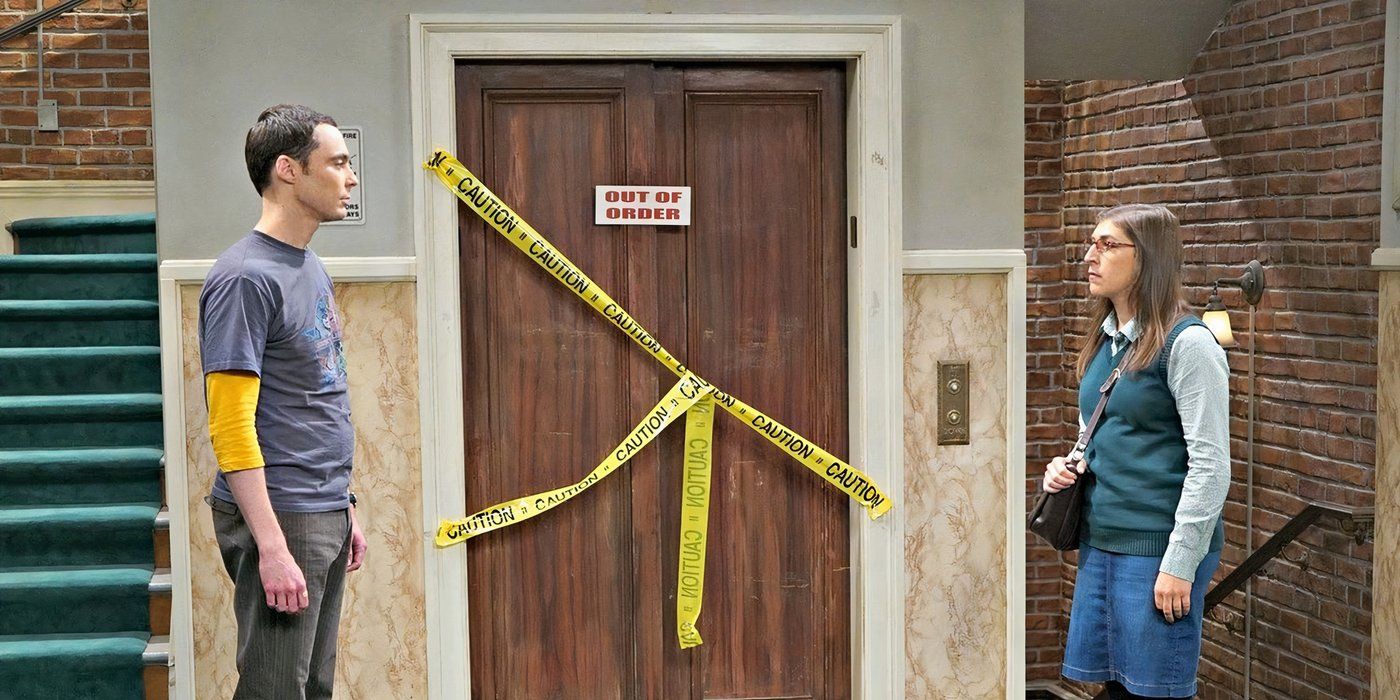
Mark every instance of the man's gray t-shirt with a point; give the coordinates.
(267, 307)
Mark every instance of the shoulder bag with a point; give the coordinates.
(1055, 517)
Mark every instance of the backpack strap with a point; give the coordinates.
(1186, 322)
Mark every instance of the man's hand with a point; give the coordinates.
(282, 581)
(1172, 596)
(358, 546)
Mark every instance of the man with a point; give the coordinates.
(279, 413)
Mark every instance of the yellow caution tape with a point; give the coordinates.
(695, 519)
(691, 395)
(678, 400)
(522, 235)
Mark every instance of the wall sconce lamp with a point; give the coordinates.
(1218, 319)
(1251, 282)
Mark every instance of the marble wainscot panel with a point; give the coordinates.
(955, 495)
(1385, 626)
(382, 650)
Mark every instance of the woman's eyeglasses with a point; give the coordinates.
(1104, 243)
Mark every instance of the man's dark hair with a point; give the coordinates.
(282, 130)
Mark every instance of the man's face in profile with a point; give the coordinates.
(328, 176)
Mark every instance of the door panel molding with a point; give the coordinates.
(871, 46)
(513, 345)
(766, 638)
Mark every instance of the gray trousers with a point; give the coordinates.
(283, 656)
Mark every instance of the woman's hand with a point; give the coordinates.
(1173, 596)
(1059, 475)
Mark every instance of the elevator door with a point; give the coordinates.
(580, 602)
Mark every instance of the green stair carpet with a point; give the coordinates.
(105, 276)
(74, 600)
(129, 369)
(84, 420)
(129, 233)
(28, 323)
(74, 535)
(80, 456)
(80, 476)
(90, 665)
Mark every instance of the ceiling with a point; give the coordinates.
(1117, 39)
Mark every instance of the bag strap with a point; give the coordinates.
(1104, 390)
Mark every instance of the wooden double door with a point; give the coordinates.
(580, 602)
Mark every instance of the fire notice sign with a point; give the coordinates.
(641, 205)
(354, 209)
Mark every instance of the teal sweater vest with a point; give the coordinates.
(1137, 456)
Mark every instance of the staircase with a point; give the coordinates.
(84, 547)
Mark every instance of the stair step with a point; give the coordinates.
(30, 323)
(82, 370)
(87, 276)
(82, 407)
(157, 651)
(162, 538)
(70, 600)
(159, 598)
(156, 672)
(128, 233)
(79, 535)
(83, 420)
(93, 666)
(80, 476)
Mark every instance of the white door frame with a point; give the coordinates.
(871, 47)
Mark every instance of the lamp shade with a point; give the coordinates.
(1219, 323)
(1217, 319)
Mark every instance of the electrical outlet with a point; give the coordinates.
(48, 115)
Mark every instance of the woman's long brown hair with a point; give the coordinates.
(1155, 232)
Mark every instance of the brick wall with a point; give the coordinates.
(1048, 391)
(96, 65)
(1268, 149)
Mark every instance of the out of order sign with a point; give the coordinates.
(641, 205)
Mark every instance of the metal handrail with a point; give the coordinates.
(38, 18)
(1357, 522)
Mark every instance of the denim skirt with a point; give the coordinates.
(1116, 632)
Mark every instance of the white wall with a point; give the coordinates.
(215, 65)
(32, 199)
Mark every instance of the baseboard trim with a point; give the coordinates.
(925, 262)
(1386, 259)
(380, 269)
(87, 189)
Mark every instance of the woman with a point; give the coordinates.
(1159, 460)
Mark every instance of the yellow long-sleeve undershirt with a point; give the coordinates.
(233, 405)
